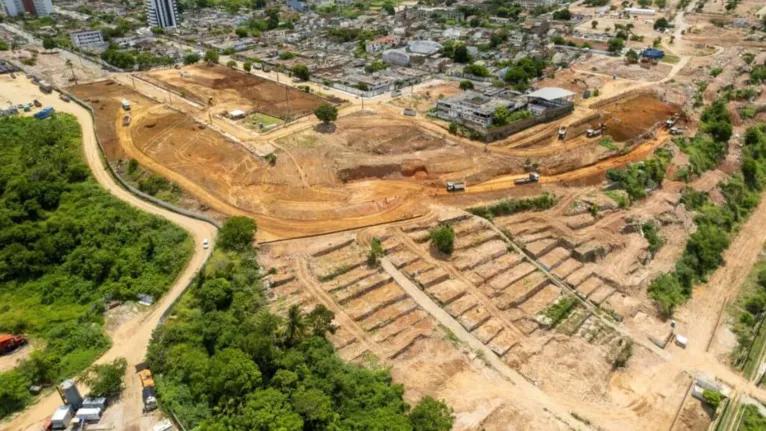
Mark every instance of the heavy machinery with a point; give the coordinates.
(125, 104)
(532, 178)
(126, 120)
(37, 103)
(670, 122)
(455, 186)
(148, 393)
(597, 131)
(64, 97)
(9, 342)
(562, 132)
(676, 131)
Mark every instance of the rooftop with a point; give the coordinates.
(551, 93)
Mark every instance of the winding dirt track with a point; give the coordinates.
(131, 339)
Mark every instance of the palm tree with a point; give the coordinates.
(296, 327)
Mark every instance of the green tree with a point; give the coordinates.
(562, 14)
(501, 116)
(242, 32)
(661, 24)
(211, 56)
(231, 64)
(389, 8)
(301, 71)
(4, 45)
(594, 24)
(247, 66)
(296, 326)
(232, 375)
(461, 54)
(105, 380)
(214, 294)
(443, 238)
(476, 70)
(49, 43)
(431, 415)
(237, 233)
(466, 85)
(191, 58)
(631, 56)
(616, 44)
(712, 397)
(269, 409)
(326, 113)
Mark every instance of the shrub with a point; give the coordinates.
(105, 380)
(712, 397)
(443, 238)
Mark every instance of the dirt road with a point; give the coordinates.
(131, 339)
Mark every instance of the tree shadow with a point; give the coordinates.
(325, 128)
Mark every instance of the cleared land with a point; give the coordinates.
(230, 89)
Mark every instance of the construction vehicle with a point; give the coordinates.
(532, 178)
(10, 342)
(126, 121)
(146, 378)
(64, 97)
(676, 131)
(455, 186)
(596, 132)
(37, 103)
(44, 113)
(45, 88)
(125, 105)
(562, 132)
(670, 122)
(149, 395)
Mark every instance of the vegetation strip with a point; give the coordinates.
(68, 247)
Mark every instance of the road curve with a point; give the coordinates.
(131, 339)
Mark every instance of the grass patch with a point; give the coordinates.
(513, 206)
(560, 310)
(607, 143)
(257, 119)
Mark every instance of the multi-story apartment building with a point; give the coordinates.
(162, 13)
(32, 7)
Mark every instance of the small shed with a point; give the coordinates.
(237, 114)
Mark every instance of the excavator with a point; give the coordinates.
(597, 131)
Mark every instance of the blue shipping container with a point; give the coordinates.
(44, 113)
(653, 53)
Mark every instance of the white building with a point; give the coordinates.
(396, 57)
(534, 3)
(424, 47)
(87, 38)
(32, 7)
(162, 13)
(637, 11)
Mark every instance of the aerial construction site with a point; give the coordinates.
(550, 308)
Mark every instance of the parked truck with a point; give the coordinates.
(455, 186)
(670, 122)
(533, 177)
(62, 417)
(596, 132)
(125, 105)
(149, 395)
(148, 392)
(9, 343)
(44, 113)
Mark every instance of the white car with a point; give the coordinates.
(205, 243)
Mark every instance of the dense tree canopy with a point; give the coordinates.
(232, 365)
(67, 246)
(237, 233)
